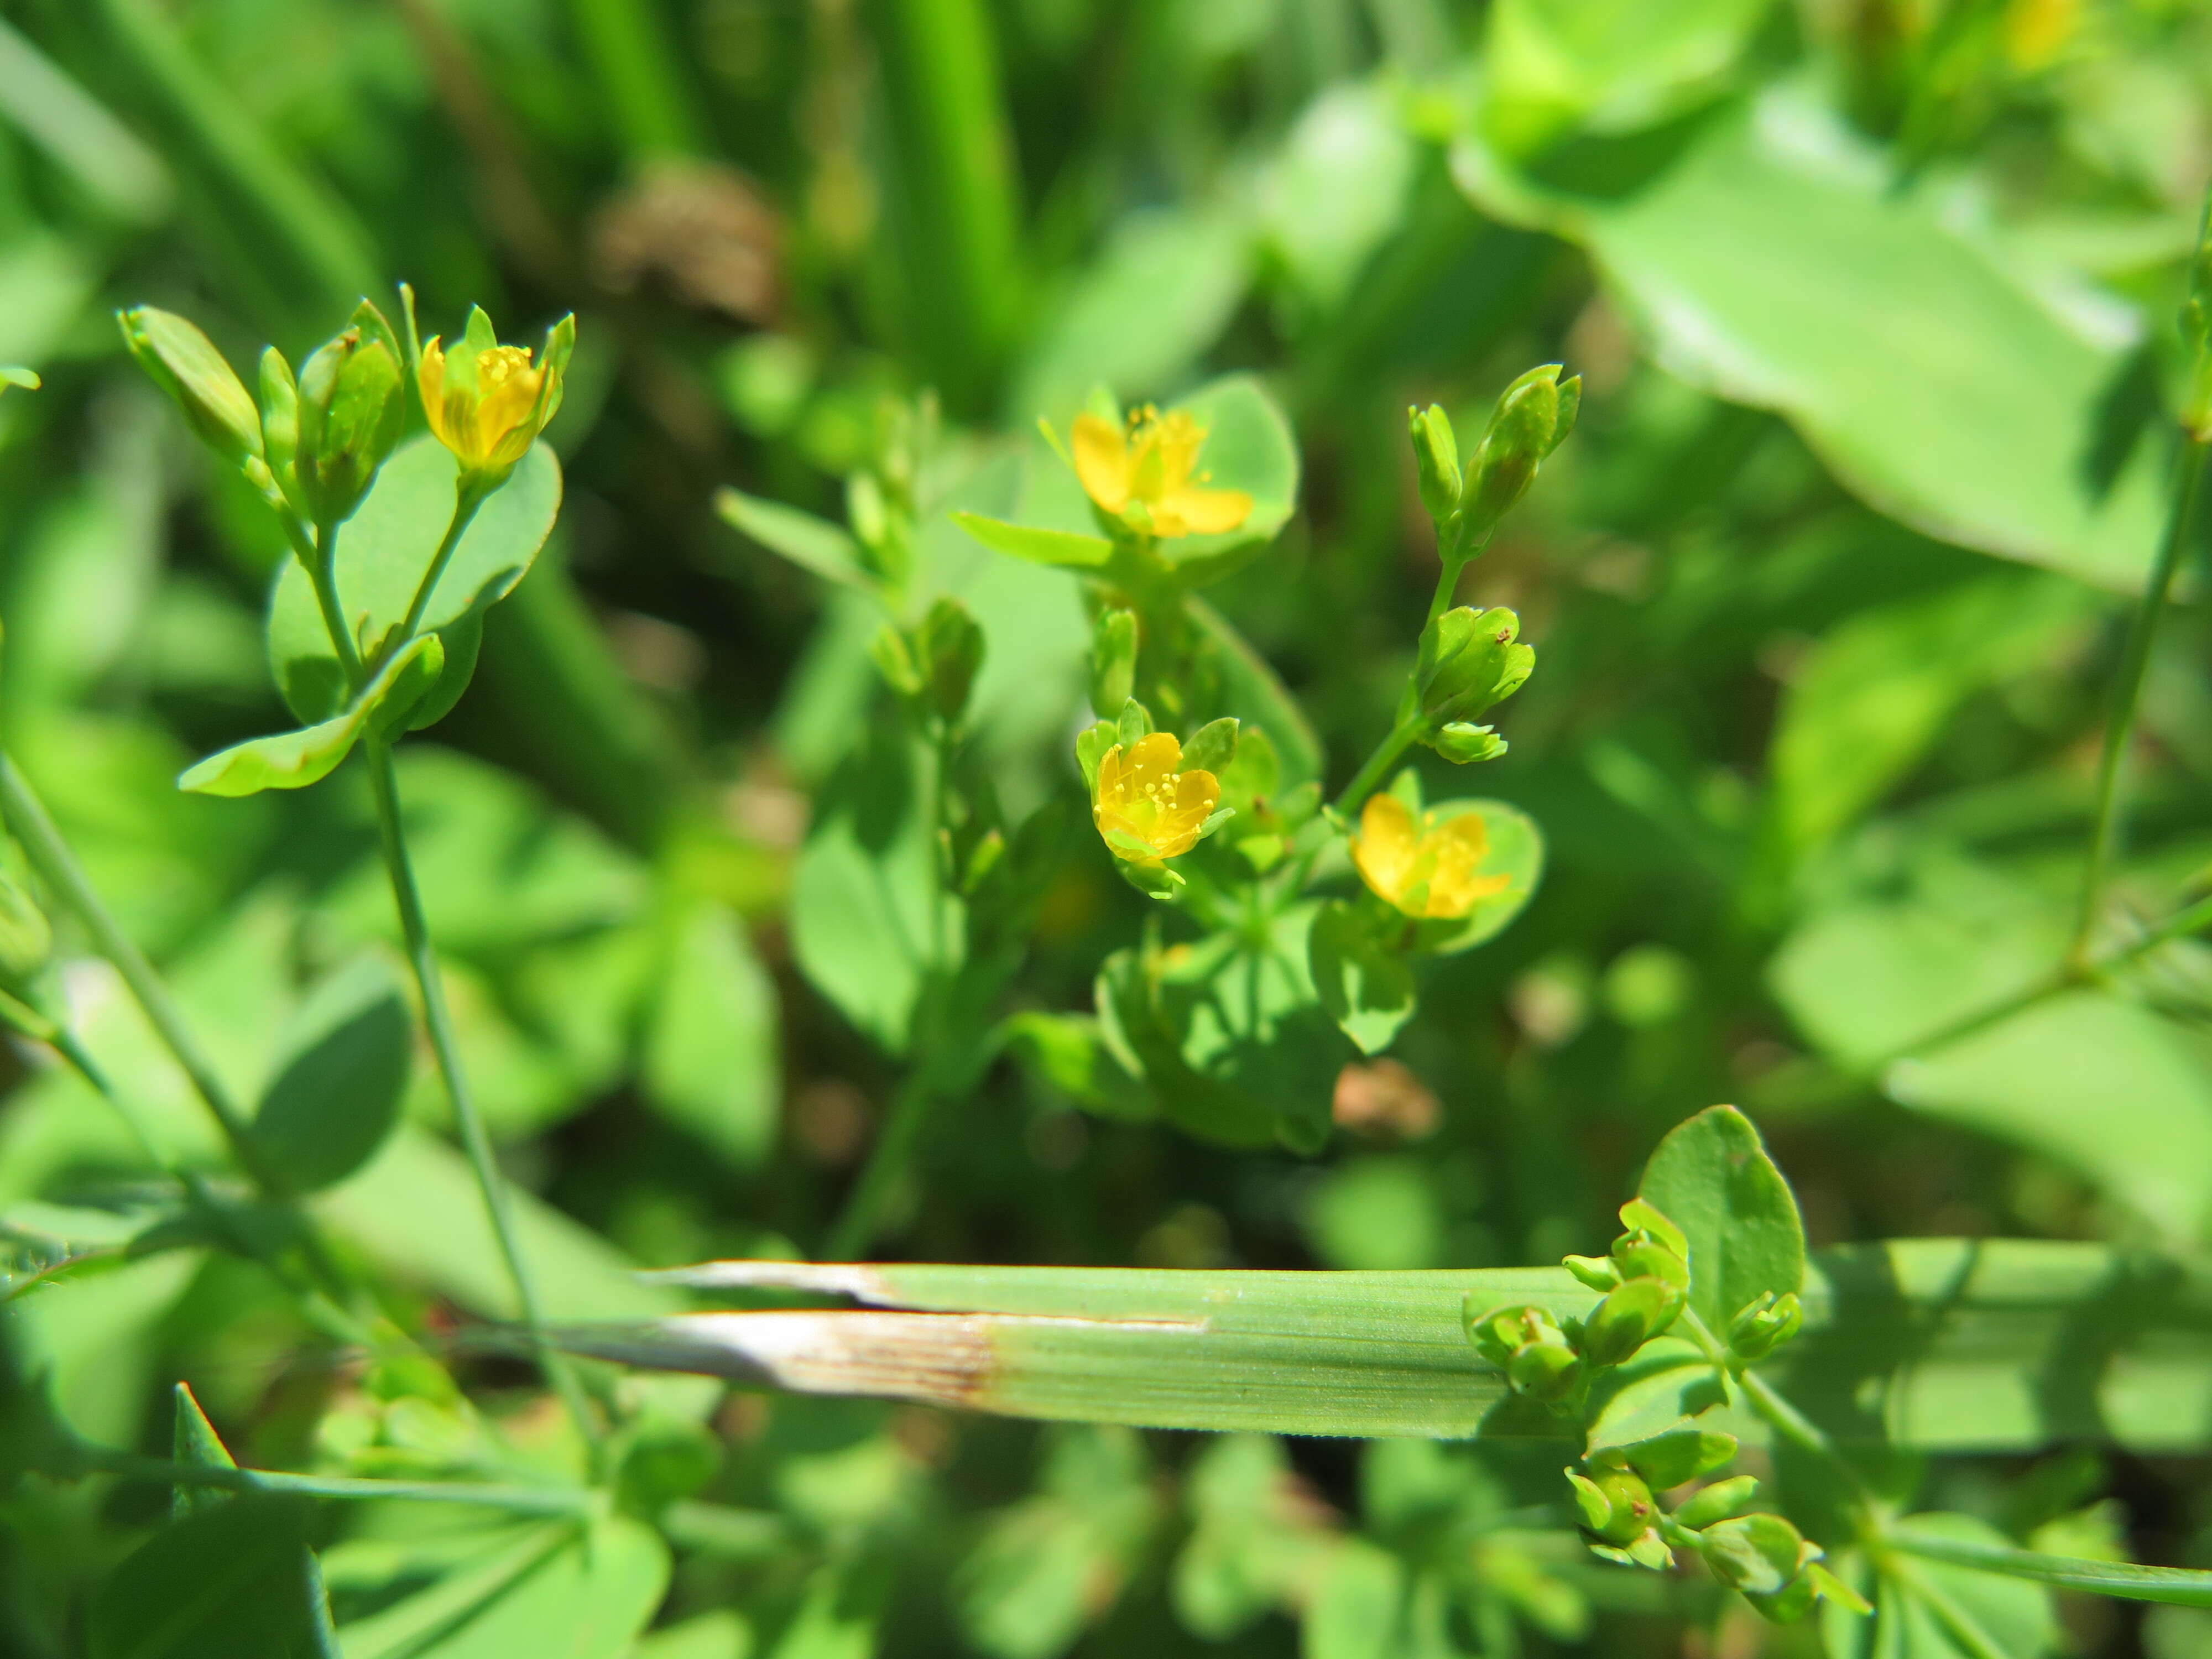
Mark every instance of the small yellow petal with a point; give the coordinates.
(1383, 849)
(1102, 461)
(1201, 512)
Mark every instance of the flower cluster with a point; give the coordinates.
(1645, 1280)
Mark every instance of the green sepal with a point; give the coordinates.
(1090, 746)
(1113, 660)
(1134, 726)
(1212, 748)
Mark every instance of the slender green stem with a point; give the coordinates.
(469, 494)
(577, 1501)
(384, 781)
(2174, 1586)
(325, 571)
(58, 868)
(887, 1160)
(2127, 694)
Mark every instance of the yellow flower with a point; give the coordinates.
(1145, 476)
(1145, 808)
(1427, 870)
(486, 402)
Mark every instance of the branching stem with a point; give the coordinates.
(2127, 696)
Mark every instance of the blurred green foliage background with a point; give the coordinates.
(1872, 301)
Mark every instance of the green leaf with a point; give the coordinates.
(1765, 265)
(1870, 702)
(1336, 190)
(1552, 66)
(1713, 1179)
(294, 760)
(1253, 1541)
(1248, 447)
(383, 553)
(1378, 1213)
(194, 1441)
(1255, 693)
(340, 1074)
(557, 1594)
(1516, 852)
(1244, 1018)
(1142, 314)
(1051, 1564)
(1067, 547)
(1358, 1606)
(232, 1581)
(1069, 1053)
(810, 542)
(710, 1050)
(867, 926)
(1934, 1345)
(1870, 976)
(1932, 1609)
(1367, 988)
(416, 1213)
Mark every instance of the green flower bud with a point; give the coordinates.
(183, 362)
(1470, 660)
(894, 660)
(1715, 1502)
(1765, 1324)
(1533, 415)
(1113, 661)
(280, 420)
(1212, 748)
(1616, 1505)
(1463, 743)
(1527, 1344)
(949, 647)
(1771, 1564)
(1544, 1372)
(1642, 1255)
(1595, 1271)
(351, 409)
(1435, 451)
(1630, 1316)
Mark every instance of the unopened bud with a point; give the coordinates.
(1113, 661)
(1464, 742)
(183, 362)
(1523, 429)
(1774, 1566)
(1765, 1324)
(1528, 1346)
(1470, 660)
(1627, 1318)
(351, 410)
(1616, 1504)
(1717, 1502)
(950, 648)
(1435, 452)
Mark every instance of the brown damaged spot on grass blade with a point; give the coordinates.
(946, 1360)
